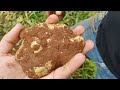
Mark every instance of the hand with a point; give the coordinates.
(10, 69)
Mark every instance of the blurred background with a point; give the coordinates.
(8, 19)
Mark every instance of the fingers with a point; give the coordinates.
(73, 64)
(52, 19)
(79, 30)
(65, 71)
(60, 14)
(10, 39)
(88, 46)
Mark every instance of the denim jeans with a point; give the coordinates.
(91, 27)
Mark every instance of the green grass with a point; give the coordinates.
(8, 19)
(86, 71)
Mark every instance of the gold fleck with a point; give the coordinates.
(77, 38)
(33, 44)
(36, 38)
(40, 71)
(49, 65)
(50, 26)
(60, 25)
(72, 40)
(63, 41)
(48, 40)
(40, 48)
(46, 32)
(40, 25)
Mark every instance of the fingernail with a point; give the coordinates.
(19, 25)
(52, 19)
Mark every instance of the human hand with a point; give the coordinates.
(10, 69)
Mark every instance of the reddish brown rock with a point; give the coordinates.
(46, 47)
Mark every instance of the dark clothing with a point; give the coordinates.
(108, 41)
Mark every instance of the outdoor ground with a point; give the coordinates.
(9, 18)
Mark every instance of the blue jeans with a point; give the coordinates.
(91, 27)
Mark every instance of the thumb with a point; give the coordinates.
(70, 67)
(10, 39)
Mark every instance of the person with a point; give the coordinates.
(103, 30)
(10, 69)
